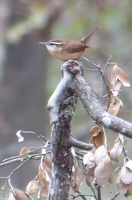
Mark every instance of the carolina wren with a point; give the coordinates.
(68, 49)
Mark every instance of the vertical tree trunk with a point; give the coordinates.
(61, 106)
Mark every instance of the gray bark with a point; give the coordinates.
(61, 107)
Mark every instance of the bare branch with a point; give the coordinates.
(93, 106)
(78, 144)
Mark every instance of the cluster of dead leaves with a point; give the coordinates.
(98, 165)
(117, 78)
(40, 185)
(98, 161)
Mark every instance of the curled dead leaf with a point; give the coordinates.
(100, 153)
(88, 160)
(44, 174)
(129, 191)
(115, 105)
(116, 150)
(20, 137)
(124, 179)
(32, 187)
(89, 163)
(73, 179)
(76, 179)
(103, 172)
(121, 186)
(113, 75)
(23, 153)
(97, 136)
(90, 176)
(126, 175)
(16, 194)
(118, 74)
(45, 190)
(123, 77)
(115, 89)
(48, 160)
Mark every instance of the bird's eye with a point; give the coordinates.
(51, 43)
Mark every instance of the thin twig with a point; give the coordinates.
(94, 194)
(93, 70)
(90, 62)
(81, 195)
(100, 71)
(99, 192)
(107, 63)
(15, 157)
(31, 132)
(115, 195)
(34, 156)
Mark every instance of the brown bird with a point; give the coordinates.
(68, 49)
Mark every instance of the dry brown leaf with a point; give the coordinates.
(45, 190)
(17, 194)
(97, 136)
(124, 179)
(24, 151)
(116, 88)
(90, 176)
(121, 186)
(79, 176)
(118, 74)
(48, 160)
(115, 104)
(44, 179)
(103, 172)
(94, 131)
(117, 148)
(100, 153)
(73, 179)
(43, 175)
(129, 191)
(32, 187)
(123, 77)
(88, 161)
(113, 75)
(126, 175)
(76, 179)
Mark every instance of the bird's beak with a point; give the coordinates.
(45, 43)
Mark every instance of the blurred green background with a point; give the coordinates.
(29, 75)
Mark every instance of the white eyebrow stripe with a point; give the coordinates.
(57, 43)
